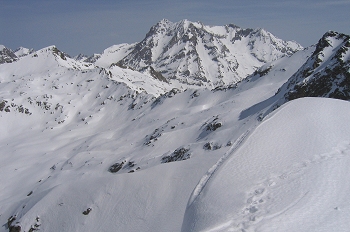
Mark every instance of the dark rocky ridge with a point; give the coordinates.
(323, 75)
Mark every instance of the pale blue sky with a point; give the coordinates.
(90, 26)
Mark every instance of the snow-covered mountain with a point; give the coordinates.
(9, 56)
(197, 54)
(97, 146)
(325, 73)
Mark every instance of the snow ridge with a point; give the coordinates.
(201, 185)
(284, 177)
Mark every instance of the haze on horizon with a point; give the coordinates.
(90, 27)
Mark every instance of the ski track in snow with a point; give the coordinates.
(200, 186)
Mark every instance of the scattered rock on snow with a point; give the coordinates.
(87, 211)
(116, 167)
(178, 155)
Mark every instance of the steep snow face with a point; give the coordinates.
(195, 54)
(114, 54)
(140, 82)
(21, 51)
(326, 73)
(290, 174)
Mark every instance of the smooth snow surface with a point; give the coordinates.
(290, 174)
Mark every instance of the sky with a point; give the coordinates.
(90, 26)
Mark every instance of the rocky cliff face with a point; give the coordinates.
(326, 73)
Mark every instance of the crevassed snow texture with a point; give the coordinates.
(291, 174)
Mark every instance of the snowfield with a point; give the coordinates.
(107, 143)
(290, 174)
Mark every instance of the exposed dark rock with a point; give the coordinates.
(157, 75)
(36, 225)
(224, 87)
(262, 72)
(195, 94)
(87, 211)
(213, 126)
(59, 53)
(2, 105)
(131, 164)
(13, 228)
(207, 146)
(10, 220)
(331, 80)
(159, 100)
(116, 167)
(7, 56)
(154, 136)
(211, 146)
(178, 155)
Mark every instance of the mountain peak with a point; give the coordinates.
(164, 21)
(159, 27)
(194, 54)
(328, 39)
(325, 73)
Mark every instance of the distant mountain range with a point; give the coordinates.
(95, 143)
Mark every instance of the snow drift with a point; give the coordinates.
(291, 174)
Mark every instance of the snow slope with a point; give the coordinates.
(21, 51)
(113, 54)
(105, 148)
(67, 126)
(290, 174)
(52, 157)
